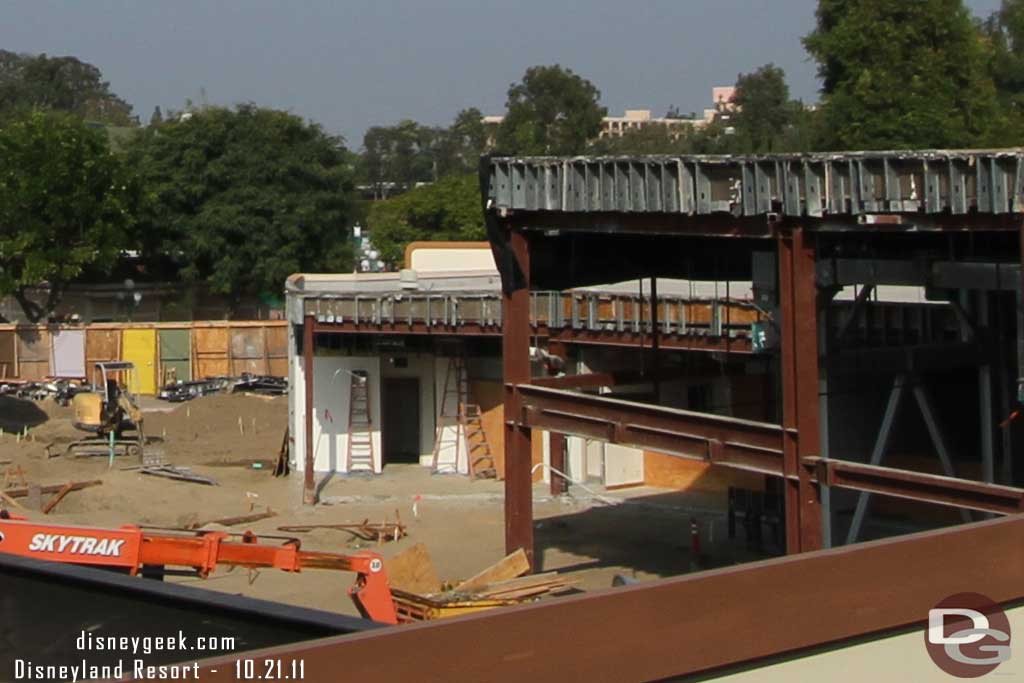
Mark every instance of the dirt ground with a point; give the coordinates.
(641, 533)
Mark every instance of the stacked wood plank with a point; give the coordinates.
(419, 595)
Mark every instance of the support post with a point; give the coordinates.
(988, 457)
(516, 367)
(309, 484)
(557, 448)
(798, 297)
(655, 341)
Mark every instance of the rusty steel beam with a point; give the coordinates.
(593, 380)
(673, 342)
(516, 368)
(741, 444)
(787, 371)
(926, 488)
(729, 617)
(558, 446)
(666, 342)
(308, 351)
(805, 342)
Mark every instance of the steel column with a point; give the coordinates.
(655, 364)
(798, 296)
(787, 386)
(516, 368)
(988, 465)
(308, 344)
(557, 447)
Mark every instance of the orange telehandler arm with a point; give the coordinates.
(135, 548)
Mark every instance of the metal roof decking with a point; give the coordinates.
(815, 185)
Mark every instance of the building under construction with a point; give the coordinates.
(866, 339)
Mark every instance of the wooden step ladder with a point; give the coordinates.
(359, 453)
(481, 460)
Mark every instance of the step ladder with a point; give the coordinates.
(359, 453)
(481, 460)
(450, 456)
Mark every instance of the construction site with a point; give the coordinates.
(669, 396)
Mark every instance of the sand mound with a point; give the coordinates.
(218, 427)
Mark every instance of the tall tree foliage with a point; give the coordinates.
(60, 83)
(460, 145)
(902, 75)
(1005, 32)
(551, 111)
(764, 112)
(243, 198)
(397, 157)
(446, 210)
(66, 205)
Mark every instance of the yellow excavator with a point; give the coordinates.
(110, 413)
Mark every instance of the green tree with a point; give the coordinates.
(902, 75)
(66, 206)
(1005, 32)
(62, 83)
(242, 198)
(459, 147)
(764, 111)
(397, 157)
(551, 111)
(446, 210)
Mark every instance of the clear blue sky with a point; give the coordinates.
(357, 63)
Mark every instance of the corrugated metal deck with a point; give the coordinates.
(853, 184)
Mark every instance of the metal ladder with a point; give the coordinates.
(447, 441)
(359, 453)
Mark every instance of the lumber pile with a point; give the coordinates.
(419, 595)
(523, 588)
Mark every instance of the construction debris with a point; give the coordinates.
(52, 503)
(177, 473)
(60, 390)
(380, 532)
(509, 567)
(247, 463)
(55, 488)
(419, 595)
(34, 493)
(267, 385)
(283, 468)
(233, 521)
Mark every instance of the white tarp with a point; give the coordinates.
(68, 353)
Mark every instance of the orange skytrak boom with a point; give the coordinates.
(138, 549)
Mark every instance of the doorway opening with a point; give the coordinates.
(400, 420)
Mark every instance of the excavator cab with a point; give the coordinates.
(109, 409)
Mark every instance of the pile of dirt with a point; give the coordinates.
(18, 413)
(221, 427)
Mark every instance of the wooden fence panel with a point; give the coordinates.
(248, 351)
(210, 346)
(8, 358)
(101, 345)
(33, 353)
(277, 350)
